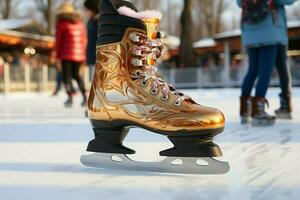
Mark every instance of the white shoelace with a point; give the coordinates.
(146, 52)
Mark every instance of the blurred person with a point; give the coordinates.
(2, 62)
(36, 69)
(71, 48)
(284, 73)
(58, 73)
(92, 13)
(263, 28)
(13, 69)
(285, 109)
(58, 80)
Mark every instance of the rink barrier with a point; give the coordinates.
(23, 79)
(45, 77)
(27, 77)
(42, 79)
(6, 78)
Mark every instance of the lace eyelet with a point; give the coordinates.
(165, 98)
(177, 103)
(154, 92)
(144, 83)
(137, 73)
(137, 62)
(134, 37)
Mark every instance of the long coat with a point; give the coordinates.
(71, 39)
(269, 31)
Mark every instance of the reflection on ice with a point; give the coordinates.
(41, 147)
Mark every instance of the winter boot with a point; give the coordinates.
(84, 100)
(285, 110)
(69, 102)
(259, 115)
(245, 109)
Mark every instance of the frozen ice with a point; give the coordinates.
(41, 143)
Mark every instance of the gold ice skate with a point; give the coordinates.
(128, 92)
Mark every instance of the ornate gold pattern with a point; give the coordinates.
(115, 95)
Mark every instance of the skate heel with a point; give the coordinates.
(108, 139)
(192, 147)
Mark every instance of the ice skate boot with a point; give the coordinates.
(285, 110)
(84, 101)
(127, 91)
(69, 102)
(259, 115)
(245, 109)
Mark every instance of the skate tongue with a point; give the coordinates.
(147, 14)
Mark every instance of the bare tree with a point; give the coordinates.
(146, 4)
(6, 7)
(170, 10)
(172, 17)
(187, 57)
(209, 15)
(45, 7)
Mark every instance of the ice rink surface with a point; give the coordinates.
(41, 143)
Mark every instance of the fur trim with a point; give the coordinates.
(69, 16)
(140, 15)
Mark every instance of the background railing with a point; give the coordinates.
(27, 78)
(43, 78)
(211, 77)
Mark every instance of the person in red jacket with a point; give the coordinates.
(71, 41)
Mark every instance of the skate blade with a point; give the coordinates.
(177, 165)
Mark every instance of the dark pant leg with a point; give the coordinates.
(266, 62)
(247, 85)
(283, 71)
(59, 81)
(67, 76)
(76, 76)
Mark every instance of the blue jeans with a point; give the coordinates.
(261, 62)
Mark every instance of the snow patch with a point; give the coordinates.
(15, 23)
(206, 42)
